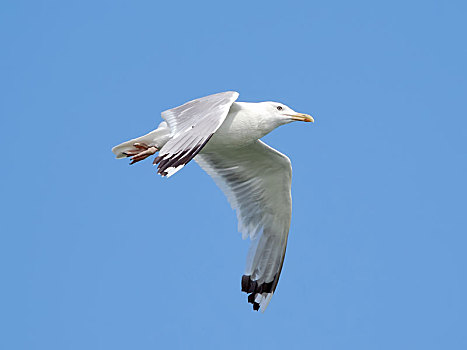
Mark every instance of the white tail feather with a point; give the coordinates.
(157, 138)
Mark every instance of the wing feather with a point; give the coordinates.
(256, 181)
(192, 125)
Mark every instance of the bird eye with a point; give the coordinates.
(279, 108)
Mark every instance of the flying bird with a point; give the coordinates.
(222, 136)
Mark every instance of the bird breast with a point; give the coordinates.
(241, 127)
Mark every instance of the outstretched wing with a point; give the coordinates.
(192, 125)
(256, 180)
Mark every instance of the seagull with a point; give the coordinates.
(223, 137)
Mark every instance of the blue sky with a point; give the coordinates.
(95, 254)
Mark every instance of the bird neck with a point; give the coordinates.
(256, 117)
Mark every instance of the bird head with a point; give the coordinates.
(284, 114)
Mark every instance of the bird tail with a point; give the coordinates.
(156, 138)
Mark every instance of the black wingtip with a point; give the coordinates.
(181, 158)
(252, 288)
(248, 285)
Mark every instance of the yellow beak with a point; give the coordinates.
(303, 117)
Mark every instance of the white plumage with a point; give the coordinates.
(223, 138)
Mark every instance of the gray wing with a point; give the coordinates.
(256, 180)
(192, 125)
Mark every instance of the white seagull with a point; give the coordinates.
(223, 137)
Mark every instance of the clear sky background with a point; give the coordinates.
(95, 254)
